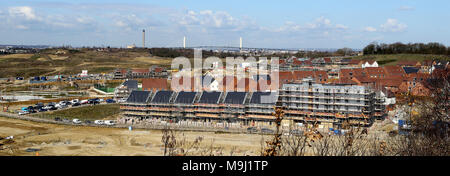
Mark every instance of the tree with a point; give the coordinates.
(344, 51)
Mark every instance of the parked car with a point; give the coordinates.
(75, 101)
(84, 101)
(57, 119)
(61, 106)
(76, 121)
(109, 122)
(266, 130)
(87, 122)
(23, 112)
(252, 129)
(101, 100)
(76, 104)
(110, 101)
(99, 122)
(32, 150)
(42, 110)
(66, 120)
(296, 132)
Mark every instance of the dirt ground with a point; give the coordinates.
(60, 140)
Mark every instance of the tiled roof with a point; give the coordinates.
(407, 63)
(393, 70)
(154, 84)
(139, 70)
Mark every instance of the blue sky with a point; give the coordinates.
(273, 24)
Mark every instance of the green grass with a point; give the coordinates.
(392, 59)
(96, 112)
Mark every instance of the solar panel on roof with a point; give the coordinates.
(138, 96)
(210, 97)
(162, 97)
(131, 84)
(409, 70)
(263, 98)
(185, 97)
(235, 98)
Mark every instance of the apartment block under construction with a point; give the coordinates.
(304, 103)
(329, 105)
(232, 107)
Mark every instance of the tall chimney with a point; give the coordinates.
(184, 42)
(143, 38)
(240, 43)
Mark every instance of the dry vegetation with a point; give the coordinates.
(63, 140)
(73, 61)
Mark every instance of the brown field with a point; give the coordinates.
(63, 140)
(47, 62)
(21, 56)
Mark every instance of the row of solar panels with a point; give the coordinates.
(162, 97)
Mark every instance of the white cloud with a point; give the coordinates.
(406, 8)
(370, 29)
(23, 11)
(320, 24)
(211, 19)
(392, 25)
(21, 27)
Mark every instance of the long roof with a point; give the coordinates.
(137, 96)
(263, 98)
(186, 97)
(162, 97)
(235, 98)
(210, 97)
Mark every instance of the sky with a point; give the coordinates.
(261, 23)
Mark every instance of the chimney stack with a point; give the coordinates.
(143, 38)
(240, 43)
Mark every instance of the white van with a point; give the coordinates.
(76, 121)
(99, 122)
(109, 122)
(74, 101)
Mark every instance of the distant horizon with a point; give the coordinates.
(261, 24)
(177, 47)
